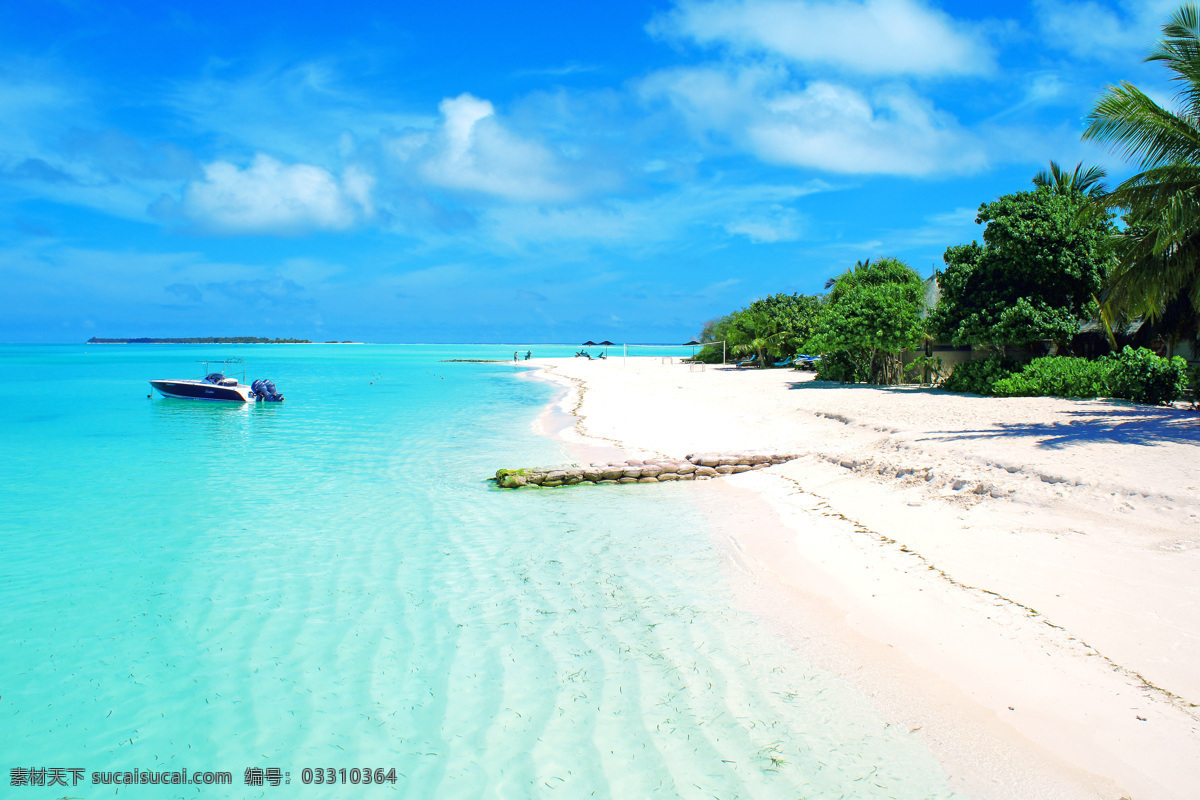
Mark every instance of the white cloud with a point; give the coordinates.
(472, 151)
(939, 230)
(824, 125)
(958, 217)
(357, 185)
(570, 68)
(1045, 88)
(872, 37)
(304, 112)
(269, 196)
(777, 224)
(761, 212)
(1100, 31)
(56, 145)
(1040, 90)
(28, 107)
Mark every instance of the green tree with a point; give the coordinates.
(872, 313)
(1036, 275)
(1158, 271)
(796, 315)
(756, 331)
(715, 330)
(775, 326)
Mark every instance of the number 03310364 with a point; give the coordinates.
(364, 775)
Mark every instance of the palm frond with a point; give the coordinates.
(1080, 181)
(1142, 130)
(1106, 316)
(1179, 51)
(1158, 252)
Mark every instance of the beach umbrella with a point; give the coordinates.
(605, 344)
(692, 344)
(589, 343)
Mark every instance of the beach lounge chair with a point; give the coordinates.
(805, 362)
(752, 361)
(787, 362)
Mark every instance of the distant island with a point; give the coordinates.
(201, 340)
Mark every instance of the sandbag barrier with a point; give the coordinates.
(699, 467)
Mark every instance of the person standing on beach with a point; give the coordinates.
(528, 354)
(515, 355)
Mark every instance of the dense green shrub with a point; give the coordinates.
(840, 366)
(1143, 377)
(979, 376)
(1136, 375)
(1057, 376)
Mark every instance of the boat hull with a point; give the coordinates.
(200, 390)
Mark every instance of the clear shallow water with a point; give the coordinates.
(331, 583)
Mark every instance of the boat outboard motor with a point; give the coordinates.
(265, 390)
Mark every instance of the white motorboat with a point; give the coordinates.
(216, 386)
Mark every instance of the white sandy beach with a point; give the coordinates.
(1015, 580)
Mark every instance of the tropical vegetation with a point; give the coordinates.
(775, 327)
(1133, 374)
(1158, 270)
(203, 340)
(980, 375)
(873, 312)
(1037, 274)
(1063, 255)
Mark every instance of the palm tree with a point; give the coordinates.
(860, 268)
(755, 332)
(1088, 182)
(765, 347)
(1159, 251)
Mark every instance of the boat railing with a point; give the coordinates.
(231, 360)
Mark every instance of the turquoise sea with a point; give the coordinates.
(330, 583)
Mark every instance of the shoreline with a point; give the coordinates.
(915, 569)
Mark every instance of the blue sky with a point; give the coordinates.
(534, 171)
